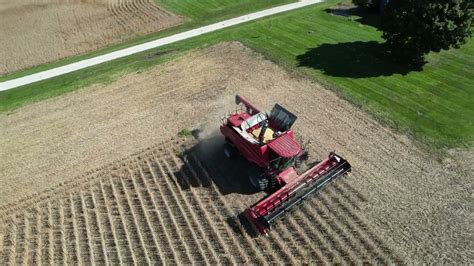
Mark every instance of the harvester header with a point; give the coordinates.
(279, 203)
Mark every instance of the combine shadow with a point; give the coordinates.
(205, 164)
(355, 60)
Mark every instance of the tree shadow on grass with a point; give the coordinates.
(362, 15)
(355, 60)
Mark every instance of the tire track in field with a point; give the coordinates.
(213, 196)
(125, 12)
(215, 240)
(9, 243)
(134, 10)
(133, 14)
(181, 211)
(230, 245)
(146, 8)
(267, 252)
(162, 206)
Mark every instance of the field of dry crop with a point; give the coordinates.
(36, 32)
(164, 205)
(108, 179)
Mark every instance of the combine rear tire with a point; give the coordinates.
(229, 151)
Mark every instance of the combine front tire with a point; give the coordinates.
(229, 151)
(258, 180)
(301, 159)
(259, 183)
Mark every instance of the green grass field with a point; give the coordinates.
(205, 10)
(435, 104)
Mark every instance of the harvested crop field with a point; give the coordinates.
(165, 206)
(36, 32)
(157, 197)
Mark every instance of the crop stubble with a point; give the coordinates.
(135, 211)
(187, 197)
(36, 32)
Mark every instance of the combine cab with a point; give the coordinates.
(267, 142)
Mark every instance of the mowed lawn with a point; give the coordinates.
(434, 104)
(203, 10)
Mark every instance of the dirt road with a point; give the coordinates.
(400, 204)
(37, 32)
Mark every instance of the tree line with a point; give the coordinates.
(413, 28)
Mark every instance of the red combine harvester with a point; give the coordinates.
(267, 142)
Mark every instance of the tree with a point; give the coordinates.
(372, 4)
(413, 28)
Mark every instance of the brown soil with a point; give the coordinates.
(399, 205)
(36, 32)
